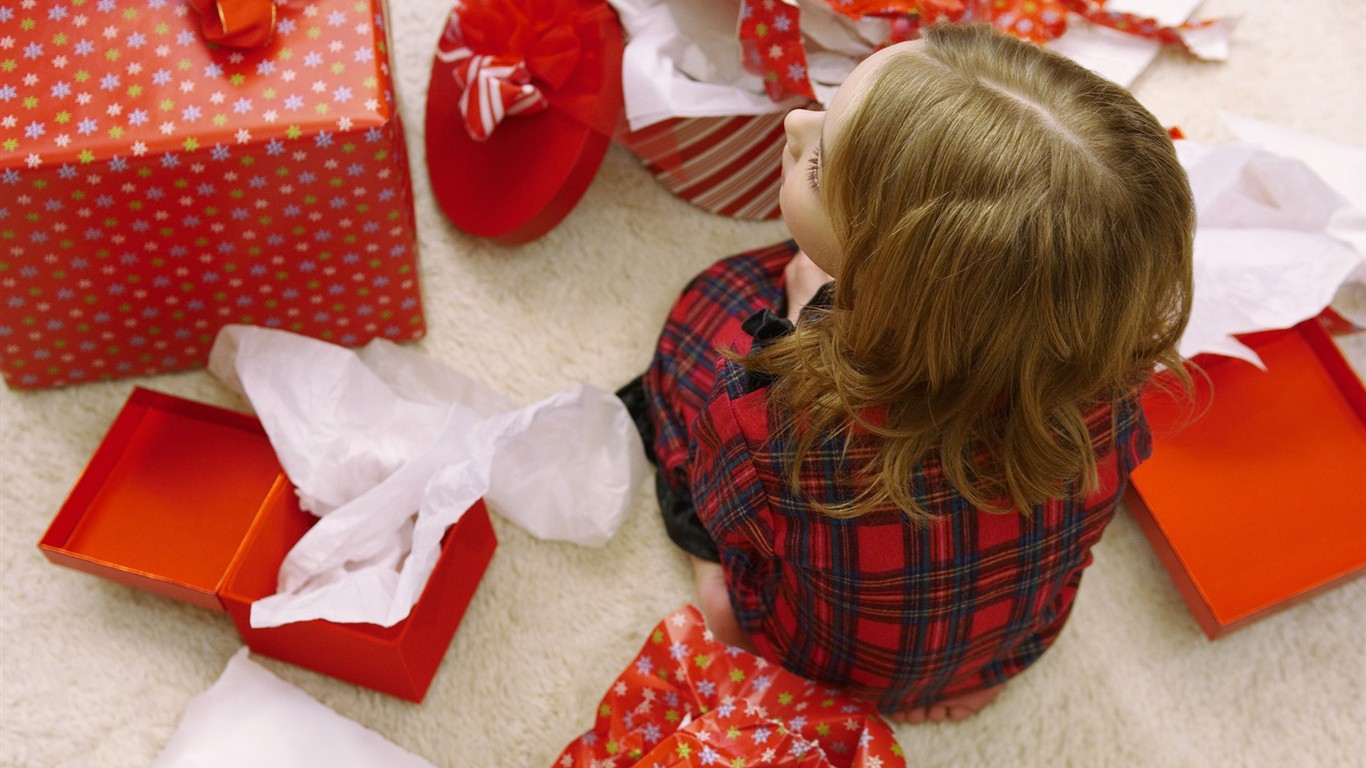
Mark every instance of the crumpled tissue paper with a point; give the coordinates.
(683, 59)
(250, 717)
(389, 448)
(1274, 241)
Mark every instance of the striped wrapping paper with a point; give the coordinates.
(729, 165)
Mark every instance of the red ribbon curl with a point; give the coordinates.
(514, 57)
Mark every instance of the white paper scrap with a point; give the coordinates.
(251, 717)
(1340, 166)
(1264, 254)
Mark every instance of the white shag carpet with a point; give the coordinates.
(98, 674)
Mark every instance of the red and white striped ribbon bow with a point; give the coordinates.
(492, 87)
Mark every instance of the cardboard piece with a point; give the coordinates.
(1257, 502)
(187, 500)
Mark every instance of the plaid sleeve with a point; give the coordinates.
(797, 581)
(707, 316)
(732, 500)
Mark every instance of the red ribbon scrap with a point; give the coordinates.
(236, 23)
(519, 57)
(771, 37)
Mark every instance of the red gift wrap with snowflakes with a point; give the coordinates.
(689, 701)
(155, 186)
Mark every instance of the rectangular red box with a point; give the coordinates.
(189, 501)
(1254, 496)
(155, 187)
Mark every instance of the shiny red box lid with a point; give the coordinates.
(1258, 501)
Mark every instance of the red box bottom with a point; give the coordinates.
(400, 660)
(187, 500)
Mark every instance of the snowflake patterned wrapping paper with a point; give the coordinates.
(688, 700)
(155, 187)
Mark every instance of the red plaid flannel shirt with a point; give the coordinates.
(902, 613)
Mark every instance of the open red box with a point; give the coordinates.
(189, 501)
(1259, 501)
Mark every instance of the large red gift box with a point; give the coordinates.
(1254, 497)
(155, 187)
(189, 501)
(688, 700)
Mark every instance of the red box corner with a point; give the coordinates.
(1253, 497)
(140, 515)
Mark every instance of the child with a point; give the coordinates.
(895, 490)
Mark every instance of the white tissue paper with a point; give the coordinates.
(683, 59)
(250, 717)
(1274, 241)
(389, 448)
(1342, 167)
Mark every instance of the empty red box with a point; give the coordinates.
(189, 501)
(1255, 495)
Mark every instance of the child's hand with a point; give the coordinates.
(802, 278)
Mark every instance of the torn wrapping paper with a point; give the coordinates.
(684, 59)
(687, 700)
(251, 717)
(389, 448)
(1273, 241)
(1122, 56)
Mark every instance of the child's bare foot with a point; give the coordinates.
(954, 708)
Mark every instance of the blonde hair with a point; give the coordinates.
(1016, 238)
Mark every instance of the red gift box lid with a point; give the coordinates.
(188, 500)
(1258, 501)
(539, 82)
